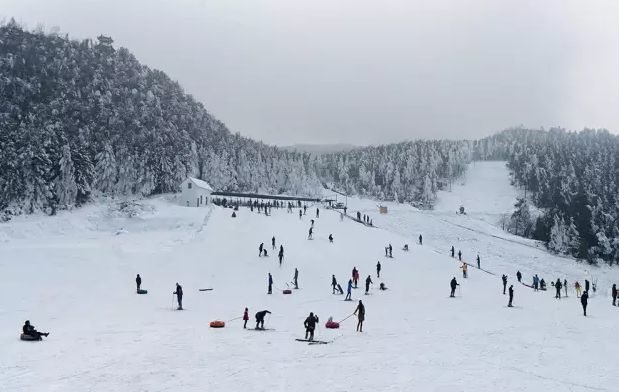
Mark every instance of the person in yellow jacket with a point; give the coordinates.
(464, 270)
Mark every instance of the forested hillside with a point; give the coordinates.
(405, 172)
(78, 118)
(573, 177)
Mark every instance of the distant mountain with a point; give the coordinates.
(319, 148)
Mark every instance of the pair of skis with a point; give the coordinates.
(313, 341)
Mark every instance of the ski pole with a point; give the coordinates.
(172, 301)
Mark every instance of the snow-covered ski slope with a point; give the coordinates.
(73, 275)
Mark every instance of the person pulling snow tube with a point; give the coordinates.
(217, 324)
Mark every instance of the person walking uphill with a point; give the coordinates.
(179, 296)
(310, 325)
(138, 282)
(453, 284)
(511, 296)
(584, 299)
(260, 318)
(368, 281)
(464, 270)
(378, 267)
(360, 312)
(270, 284)
(504, 279)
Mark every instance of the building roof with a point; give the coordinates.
(200, 184)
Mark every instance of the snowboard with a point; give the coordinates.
(205, 289)
(260, 329)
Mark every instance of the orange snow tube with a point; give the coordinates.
(332, 325)
(287, 291)
(217, 324)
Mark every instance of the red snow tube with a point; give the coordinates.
(217, 324)
(287, 291)
(332, 325)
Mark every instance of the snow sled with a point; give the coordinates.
(287, 291)
(142, 291)
(332, 325)
(29, 338)
(217, 324)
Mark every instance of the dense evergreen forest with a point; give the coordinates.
(573, 179)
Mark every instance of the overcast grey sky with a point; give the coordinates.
(364, 72)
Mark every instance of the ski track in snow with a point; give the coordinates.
(73, 274)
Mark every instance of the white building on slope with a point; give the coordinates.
(195, 193)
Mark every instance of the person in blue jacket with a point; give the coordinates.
(349, 292)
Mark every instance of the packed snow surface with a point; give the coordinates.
(73, 275)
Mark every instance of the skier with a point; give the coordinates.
(260, 249)
(179, 296)
(331, 238)
(504, 279)
(317, 213)
(464, 270)
(273, 243)
(296, 278)
(452, 251)
(511, 296)
(311, 231)
(310, 325)
(378, 269)
(420, 240)
(453, 285)
(368, 281)
(349, 291)
(614, 294)
(519, 276)
(360, 312)
(138, 282)
(270, 284)
(390, 250)
(333, 283)
(245, 318)
(260, 319)
(577, 287)
(583, 300)
(478, 262)
(355, 273)
(558, 287)
(29, 330)
(460, 255)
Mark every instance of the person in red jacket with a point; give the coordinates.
(245, 318)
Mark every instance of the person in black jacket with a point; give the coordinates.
(614, 294)
(29, 330)
(420, 240)
(334, 283)
(478, 262)
(310, 325)
(138, 282)
(368, 281)
(296, 278)
(460, 255)
(504, 279)
(511, 296)
(260, 319)
(558, 287)
(378, 268)
(519, 276)
(273, 242)
(331, 238)
(584, 299)
(360, 313)
(453, 284)
(270, 284)
(260, 249)
(179, 296)
(452, 251)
